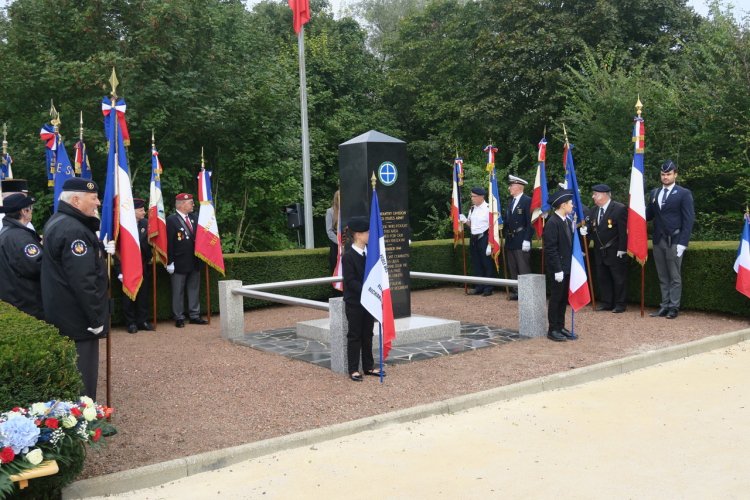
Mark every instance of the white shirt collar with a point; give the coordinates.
(360, 251)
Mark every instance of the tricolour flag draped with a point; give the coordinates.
(578, 292)
(118, 215)
(742, 263)
(207, 239)
(571, 183)
(376, 289)
(540, 196)
(157, 225)
(49, 137)
(493, 200)
(300, 13)
(637, 233)
(83, 169)
(458, 174)
(338, 271)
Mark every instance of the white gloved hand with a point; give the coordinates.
(526, 246)
(584, 231)
(170, 268)
(621, 254)
(488, 252)
(109, 247)
(559, 277)
(119, 277)
(96, 331)
(681, 250)
(462, 218)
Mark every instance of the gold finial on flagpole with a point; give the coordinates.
(5, 139)
(54, 115)
(153, 140)
(114, 82)
(565, 134)
(639, 106)
(544, 134)
(80, 128)
(203, 161)
(373, 180)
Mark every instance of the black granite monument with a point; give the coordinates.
(385, 156)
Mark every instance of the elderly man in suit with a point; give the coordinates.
(518, 231)
(608, 223)
(183, 265)
(671, 209)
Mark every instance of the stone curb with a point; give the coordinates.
(164, 472)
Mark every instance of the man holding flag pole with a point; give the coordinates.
(458, 227)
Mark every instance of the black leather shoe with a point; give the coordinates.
(487, 293)
(179, 323)
(660, 313)
(556, 336)
(512, 296)
(198, 321)
(602, 307)
(475, 291)
(132, 328)
(618, 310)
(146, 326)
(356, 377)
(672, 314)
(568, 334)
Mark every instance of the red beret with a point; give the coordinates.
(183, 197)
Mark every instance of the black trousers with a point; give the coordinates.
(88, 365)
(481, 264)
(558, 302)
(136, 311)
(359, 337)
(333, 255)
(611, 276)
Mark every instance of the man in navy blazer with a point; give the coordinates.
(518, 231)
(671, 209)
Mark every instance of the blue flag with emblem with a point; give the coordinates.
(572, 183)
(63, 169)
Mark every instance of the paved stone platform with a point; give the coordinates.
(472, 336)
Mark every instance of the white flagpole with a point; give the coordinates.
(306, 182)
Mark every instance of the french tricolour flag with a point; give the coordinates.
(578, 293)
(376, 289)
(157, 225)
(207, 240)
(742, 264)
(118, 214)
(458, 165)
(637, 234)
(539, 198)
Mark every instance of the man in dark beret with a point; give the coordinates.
(671, 209)
(518, 231)
(608, 224)
(183, 265)
(20, 256)
(479, 222)
(74, 275)
(136, 311)
(558, 252)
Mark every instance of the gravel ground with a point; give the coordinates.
(179, 392)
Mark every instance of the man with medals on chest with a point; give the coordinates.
(609, 232)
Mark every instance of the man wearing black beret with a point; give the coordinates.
(558, 253)
(671, 209)
(608, 224)
(20, 256)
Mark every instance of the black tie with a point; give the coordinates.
(664, 196)
(601, 214)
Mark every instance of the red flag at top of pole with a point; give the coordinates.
(300, 13)
(207, 240)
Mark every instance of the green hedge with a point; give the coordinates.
(707, 274)
(36, 362)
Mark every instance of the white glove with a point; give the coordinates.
(109, 247)
(681, 250)
(96, 331)
(462, 218)
(526, 246)
(621, 254)
(119, 277)
(170, 268)
(559, 277)
(488, 252)
(584, 231)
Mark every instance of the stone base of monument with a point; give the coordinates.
(408, 331)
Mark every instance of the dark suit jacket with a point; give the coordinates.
(558, 245)
(675, 218)
(353, 274)
(611, 236)
(517, 225)
(181, 243)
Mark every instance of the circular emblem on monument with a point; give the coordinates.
(31, 250)
(387, 173)
(78, 248)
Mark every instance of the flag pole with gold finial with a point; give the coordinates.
(208, 289)
(114, 82)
